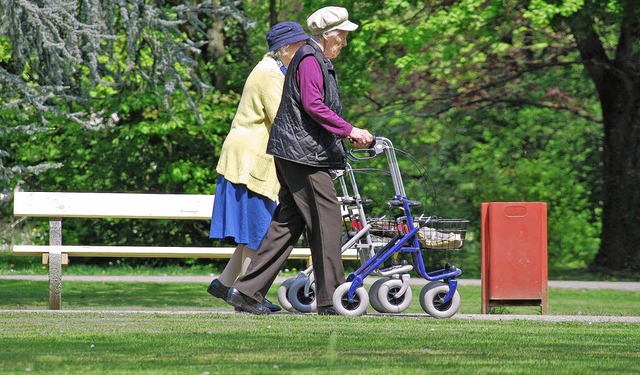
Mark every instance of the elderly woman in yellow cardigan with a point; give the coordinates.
(247, 185)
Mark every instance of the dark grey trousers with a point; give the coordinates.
(307, 198)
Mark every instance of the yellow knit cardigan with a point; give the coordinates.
(243, 159)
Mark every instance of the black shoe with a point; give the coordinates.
(245, 303)
(271, 306)
(218, 290)
(266, 303)
(327, 310)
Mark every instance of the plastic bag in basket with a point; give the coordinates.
(433, 239)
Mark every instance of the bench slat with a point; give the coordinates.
(151, 251)
(113, 205)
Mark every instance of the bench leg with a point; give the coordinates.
(55, 264)
(55, 281)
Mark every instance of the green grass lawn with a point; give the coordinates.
(214, 343)
(18, 265)
(183, 330)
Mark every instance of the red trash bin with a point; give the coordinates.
(514, 255)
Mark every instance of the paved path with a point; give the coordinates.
(561, 284)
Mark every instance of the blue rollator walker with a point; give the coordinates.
(392, 293)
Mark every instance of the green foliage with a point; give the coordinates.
(472, 91)
(150, 150)
(484, 101)
(530, 159)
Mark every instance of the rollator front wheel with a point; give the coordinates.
(387, 299)
(302, 296)
(350, 307)
(431, 300)
(282, 295)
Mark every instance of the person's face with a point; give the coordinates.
(334, 42)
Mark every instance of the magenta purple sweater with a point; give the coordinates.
(311, 88)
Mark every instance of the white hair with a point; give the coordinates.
(277, 54)
(318, 37)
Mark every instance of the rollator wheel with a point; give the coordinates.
(428, 286)
(373, 294)
(282, 295)
(354, 307)
(301, 301)
(431, 300)
(387, 299)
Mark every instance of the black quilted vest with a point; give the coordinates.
(295, 136)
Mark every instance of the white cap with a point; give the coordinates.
(329, 18)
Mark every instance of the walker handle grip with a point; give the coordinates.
(375, 148)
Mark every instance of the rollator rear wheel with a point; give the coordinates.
(354, 307)
(431, 300)
(282, 295)
(386, 295)
(373, 294)
(300, 300)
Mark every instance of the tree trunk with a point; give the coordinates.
(620, 246)
(273, 13)
(618, 83)
(216, 51)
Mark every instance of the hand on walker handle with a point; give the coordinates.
(360, 137)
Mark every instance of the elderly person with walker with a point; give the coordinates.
(307, 144)
(247, 185)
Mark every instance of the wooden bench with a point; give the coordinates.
(56, 206)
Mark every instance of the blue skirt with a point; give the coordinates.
(240, 216)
